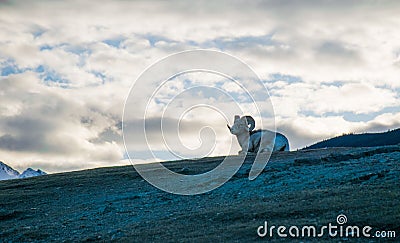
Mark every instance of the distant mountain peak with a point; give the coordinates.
(31, 172)
(8, 173)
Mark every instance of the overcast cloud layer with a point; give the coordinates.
(66, 67)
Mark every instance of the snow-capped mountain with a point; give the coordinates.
(31, 172)
(8, 173)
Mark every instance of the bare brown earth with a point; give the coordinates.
(296, 188)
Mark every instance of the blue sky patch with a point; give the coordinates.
(100, 75)
(115, 42)
(10, 67)
(225, 43)
(50, 77)
(153, 39)
(284, 77)
(38, 32)
(45, 47)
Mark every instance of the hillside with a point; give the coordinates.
(296, 188)
(360, 140)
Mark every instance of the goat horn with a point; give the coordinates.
(250, 120)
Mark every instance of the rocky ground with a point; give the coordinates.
(296, 188)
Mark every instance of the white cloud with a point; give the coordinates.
(339, 56)
(49, 123)
(293, 99)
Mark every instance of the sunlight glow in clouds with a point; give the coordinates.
(66, 66)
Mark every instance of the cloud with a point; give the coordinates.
(66, 69)
(336, 41)
(50, 123)
(319, 99)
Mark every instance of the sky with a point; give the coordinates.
(66, 69)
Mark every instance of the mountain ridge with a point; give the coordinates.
(8, 173)
(391, 137)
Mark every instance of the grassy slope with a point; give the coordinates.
(297, 188)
